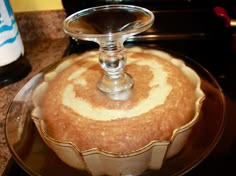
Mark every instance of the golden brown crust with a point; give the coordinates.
(120, 135)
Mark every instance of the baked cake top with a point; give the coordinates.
(163, 99)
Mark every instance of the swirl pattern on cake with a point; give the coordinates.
(74, 110)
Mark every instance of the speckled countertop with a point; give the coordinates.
(44, 43)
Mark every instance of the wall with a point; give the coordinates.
(35, 5)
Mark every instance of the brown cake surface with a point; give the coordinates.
(74, 110)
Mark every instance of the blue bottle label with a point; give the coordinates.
(11, 46)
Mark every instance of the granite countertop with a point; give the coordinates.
(42, 49)
(40, 54)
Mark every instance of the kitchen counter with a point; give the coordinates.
(40, 53)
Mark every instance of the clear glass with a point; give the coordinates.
(110, 26)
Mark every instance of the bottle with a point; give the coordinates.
(13, 65)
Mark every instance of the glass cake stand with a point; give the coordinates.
(32, 154)
(110, 26)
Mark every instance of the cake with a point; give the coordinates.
(166, 98)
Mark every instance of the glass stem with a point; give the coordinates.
(112, 59)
